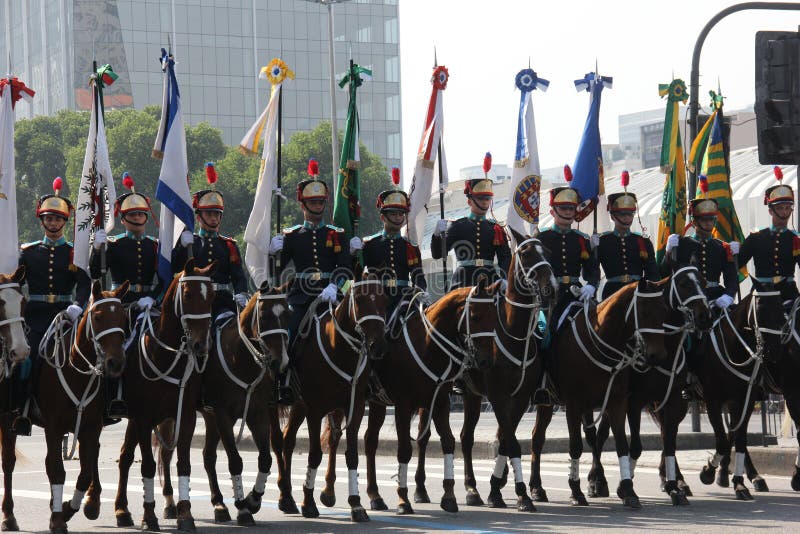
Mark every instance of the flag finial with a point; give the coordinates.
(435, 61)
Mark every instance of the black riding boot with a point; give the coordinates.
(20, 395)
(116, 408)
(283, 388)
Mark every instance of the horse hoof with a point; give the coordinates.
(598, 488)
(578, 499)
(91, 510)
(474, 498)
(124, 519)
(328, 499)
(150, 525)
(378, 505)
(723, 479)
(9, 524)
(287, 505)
(59, 530)
(524, 504)
(221, 514)
(253, 502)
(245, 518)
(68, 512)
(678, 498)
(539, 495)
(796, 479)
(684, 487)
(495, 500)
(404, 508)
(707, 474)
(743, 494)
(170, 512)
(760, 485)
(632, 502)
(309, 511)
(421, 495)
(448, 504)
(359, 515)
(186, 525)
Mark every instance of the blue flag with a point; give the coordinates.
(173, 181)
(588, 168)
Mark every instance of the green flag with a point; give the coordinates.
(346, 201)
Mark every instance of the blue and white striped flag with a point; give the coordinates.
(173, 181)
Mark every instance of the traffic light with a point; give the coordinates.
(778, 97)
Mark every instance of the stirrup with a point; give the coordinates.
(285, 396)
(21, 426)
(459, 387)
(117, 409)
(542, 397)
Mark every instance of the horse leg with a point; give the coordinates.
(421, 492)
(724, 474)
(791, 399)
(441, 418)
(596, 438)
(88, 481)
(148, 470)
(91, 508)
(742, 493)
(472, 413)
(616, 414)
(258, 423)
(309, 506)
(221, 514)
(357, 512)
(377, 415)
(286, 502)
(333, 435)
(544, 414)
(671, 418)
(508, 412)
(54, 466)
(575, 450)
(126, 454)
(759, 484)
(225, 428)
(184, 465)
(9, 455)
(167, 432)
(402, 422)
(723, 446)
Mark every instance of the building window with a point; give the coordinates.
(393, 69)
(364, 34)
(393, 146)
(390, 31)
(393, 108)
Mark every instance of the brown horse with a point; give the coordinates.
(163, 383)
(331, 366)
(239, 384)
(589, 368)
(14, 349)
(439, 344)
(69, 396)
(659, 387)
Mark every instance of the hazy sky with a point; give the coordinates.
(640, 43)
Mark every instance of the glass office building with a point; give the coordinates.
(220, 47)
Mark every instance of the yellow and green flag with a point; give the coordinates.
(673, 201)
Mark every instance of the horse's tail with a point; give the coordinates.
(332, 431)
(162, 434)
(325, 439)
(283, 414)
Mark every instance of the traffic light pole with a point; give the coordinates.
(694, 83)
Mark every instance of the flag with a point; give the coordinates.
(673, 201)
(96, 193)
(422, 184)
(523, 210)
(172, 189)
(347, 196)
(588, 168)
(11, 90)
(264, 131)
(708, 150)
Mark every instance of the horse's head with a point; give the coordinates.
(270, 319)
(530, 275)
(12, 322)
(687, 297)
(192, 294)
(478, 322)
(366, 303)
(766, 318)
(648, 310)
(104, 325)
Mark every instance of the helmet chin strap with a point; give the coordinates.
(212, 226)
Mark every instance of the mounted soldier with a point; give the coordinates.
(321, 260)
(476, 240)
(54, 285)
(625, 256)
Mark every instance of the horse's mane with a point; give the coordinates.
(451, 298)
(622, 297)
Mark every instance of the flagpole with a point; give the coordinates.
(276, 262)
(441, 212)
(100, 205)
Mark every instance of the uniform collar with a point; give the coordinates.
(477, 218)
(618, 234)
(701, 239)
(57, 243)
(557, 229)
(131, 235)
(311, 226)
(777, 230)
(387, 235)
(207, 234)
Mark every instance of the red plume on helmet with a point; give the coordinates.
(567, 174)
(58, 185)
(625, 178)
(313, 168)
(778, 172)
(487, 163)
(703, 184)
(211, 173)
(396, 175)
(127, 181)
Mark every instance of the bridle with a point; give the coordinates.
(676, 302)
(255, 326)
(526, 275)
(4, 351)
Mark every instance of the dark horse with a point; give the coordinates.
(238, 384)
(163, 383)
(438, 345)
(729, 366)
(659, 387)
(590, 367)
(69, 396)
(14, 349)
(331, 365)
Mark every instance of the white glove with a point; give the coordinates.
(276, 244)
(73, 312)
(241, 299)
(145, 303)
(587, 292)
(329, 294)
(441, 227)
(723, 302)
(356, 244)
(595, 240)
(187, 238)
(735, 246)
(672, 241)
(503, 285)
(100, 239)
